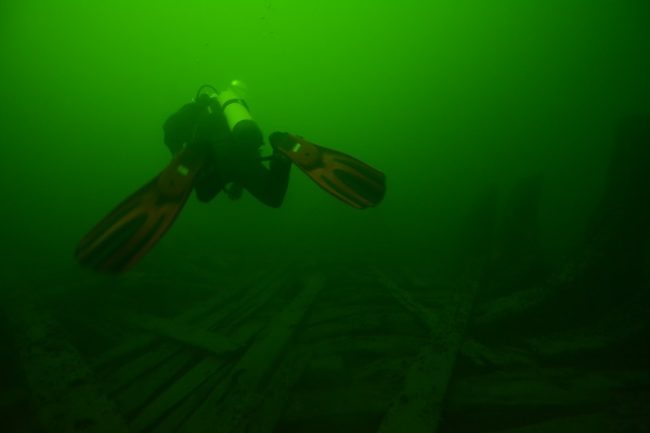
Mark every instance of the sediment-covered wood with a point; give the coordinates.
(418, 406)
(250, 377)
(63, 389)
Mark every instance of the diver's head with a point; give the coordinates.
(205, 93)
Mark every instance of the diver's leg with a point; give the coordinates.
(269, 185)
(208, 183)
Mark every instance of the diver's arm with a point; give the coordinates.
(268, 185)
(179, 129)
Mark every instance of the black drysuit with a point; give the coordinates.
(231, 159)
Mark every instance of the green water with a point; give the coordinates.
(446, 98)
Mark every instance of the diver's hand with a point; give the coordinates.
(281, 142)
(281, 157)
(279, 139)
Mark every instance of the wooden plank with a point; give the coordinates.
(127, 374)
(190, 336)
(592, 423)
(251, 286)
(369, 344)
(174, 393)
(202, 315)
(106, 363)
(277, 394)
(427, 317)
(623, 324)
(340, 401)
(134, 399)
(483, 355)
(417, 408)
(512, 306)
(195, 377)
(259, 359)
(246, 382)
(545, 388)
(393, 323)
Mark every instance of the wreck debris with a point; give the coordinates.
(63, 388)
(419, 404)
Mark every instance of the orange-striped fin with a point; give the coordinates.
(345, 177)
(134, 226)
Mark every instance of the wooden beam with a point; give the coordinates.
(232, 405)
(592, 423)
(417, 408)
(206, 370)
(545, 388)
(197, 338)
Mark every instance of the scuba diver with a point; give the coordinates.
(221, 124)
(216, 147)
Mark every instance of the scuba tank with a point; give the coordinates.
(242, 126)
(244, 130)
